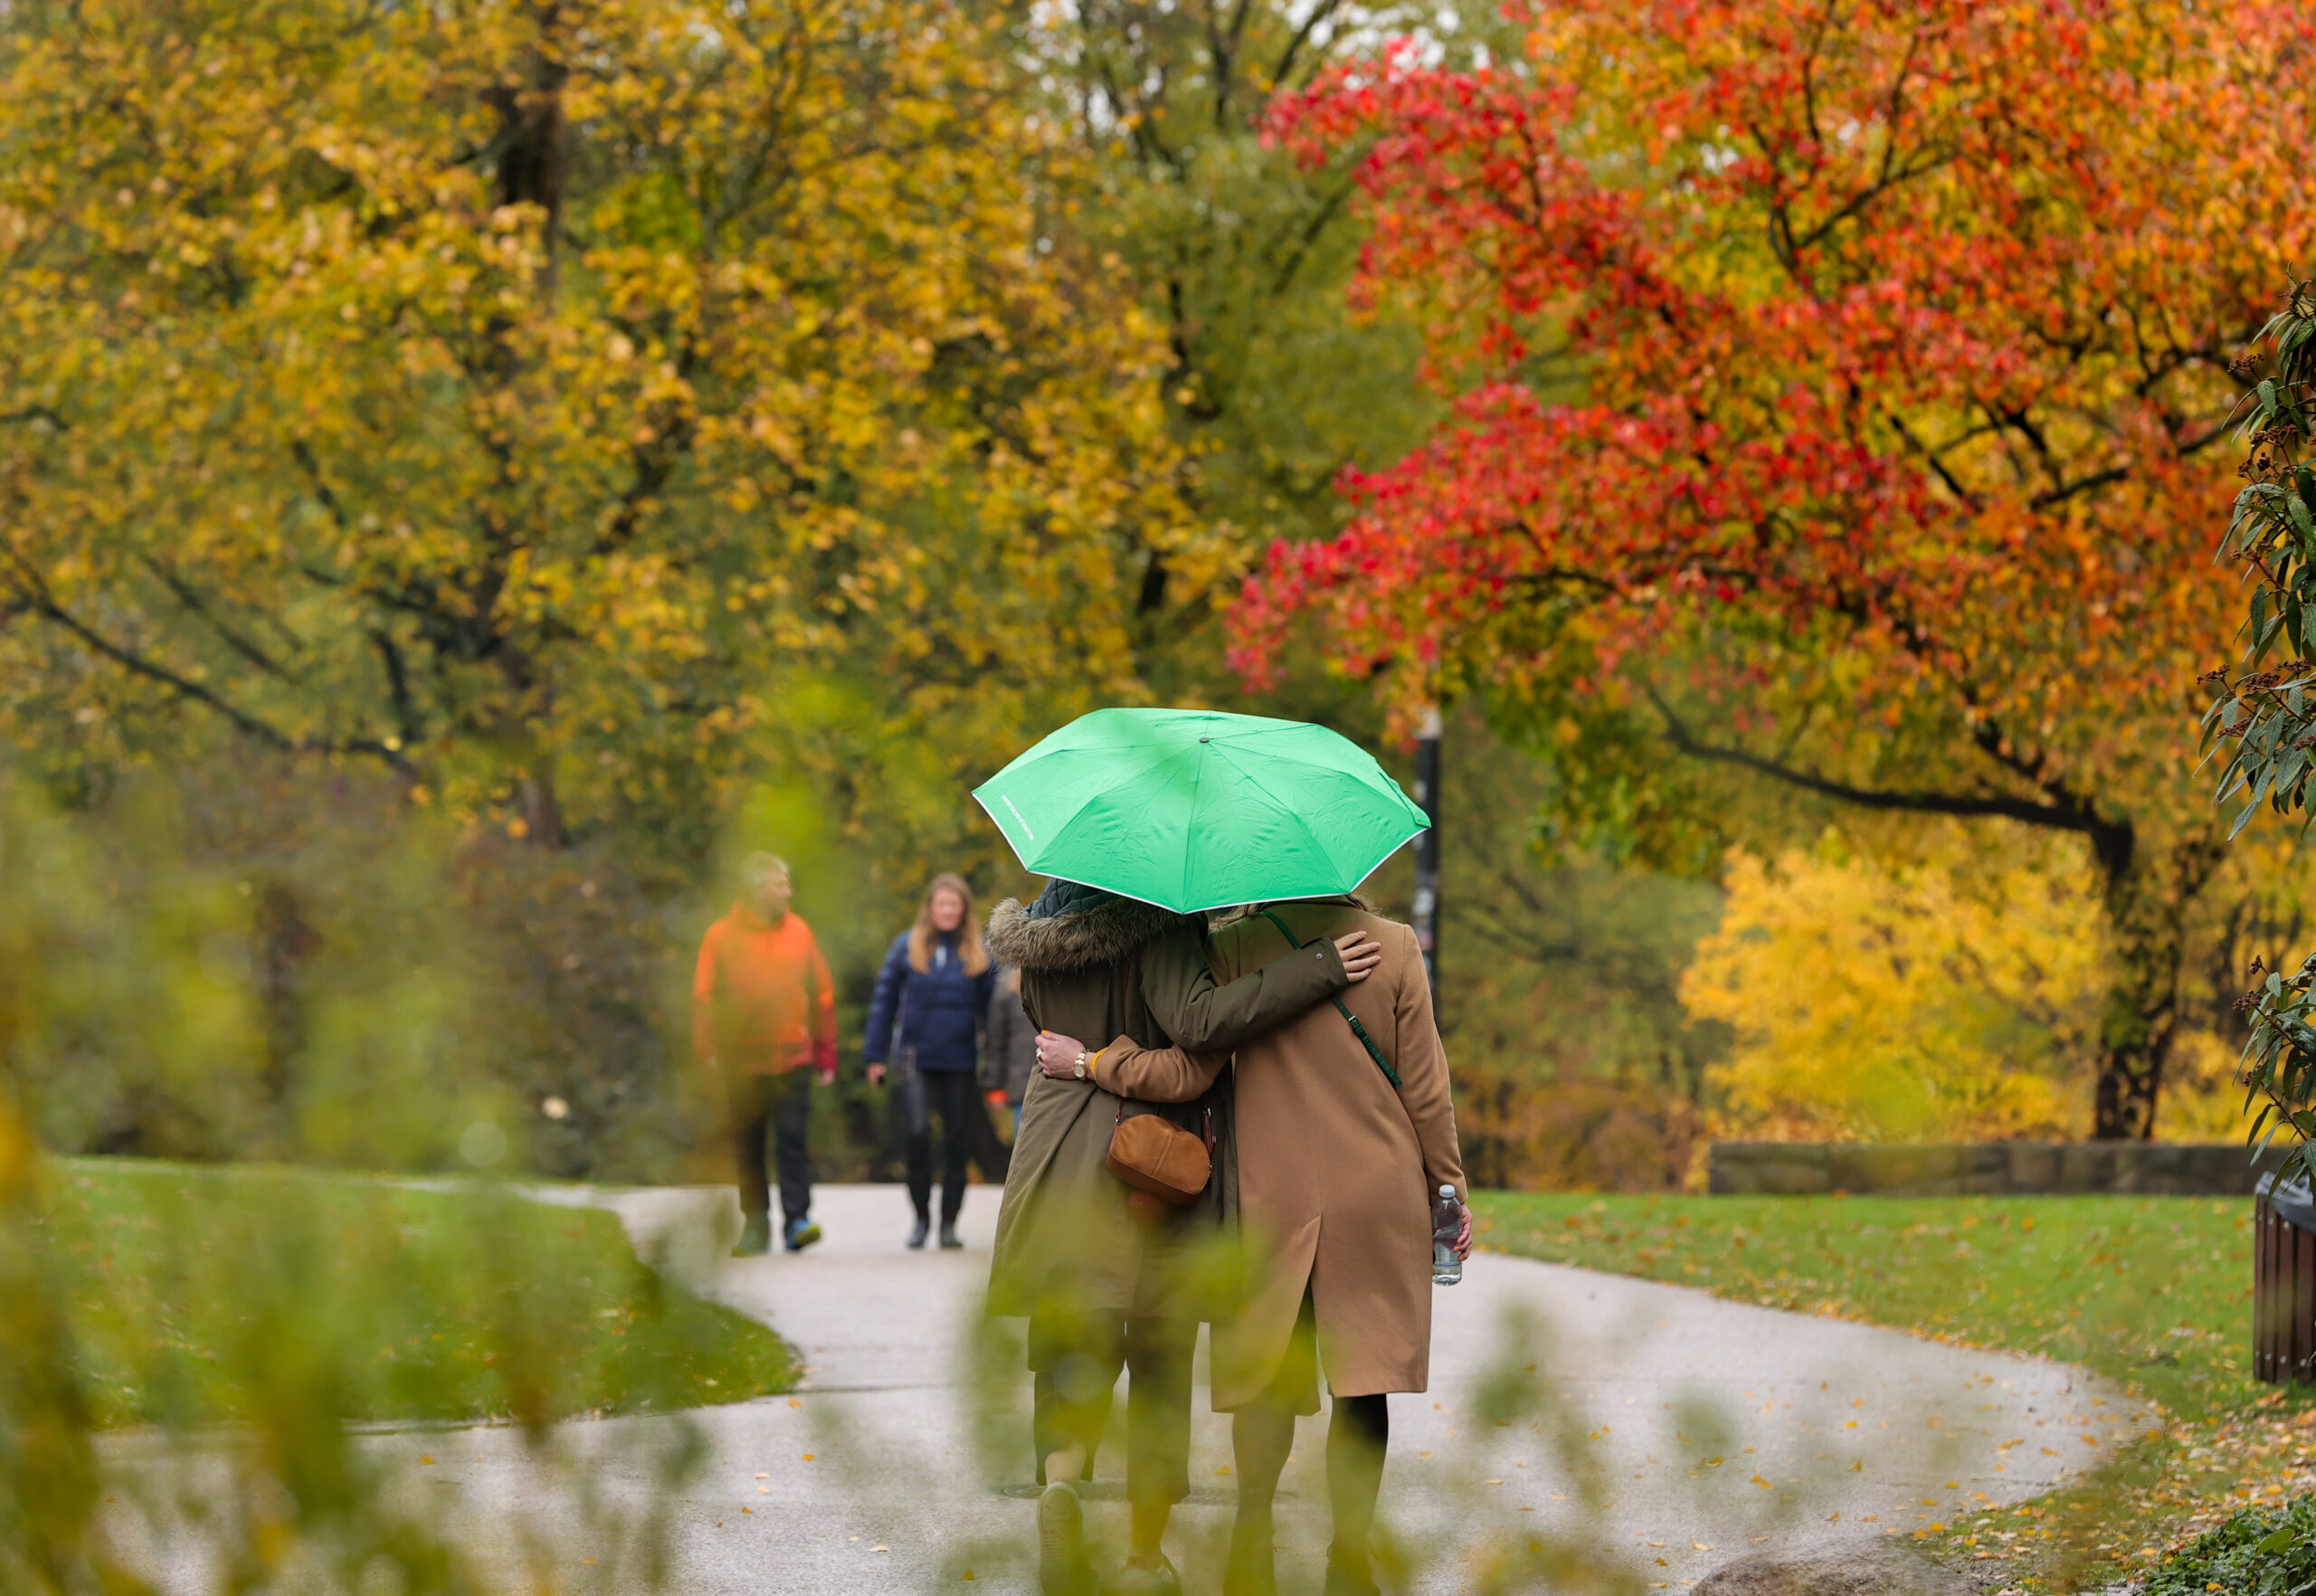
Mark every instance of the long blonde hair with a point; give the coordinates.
(972, 952)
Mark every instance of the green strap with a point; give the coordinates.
(1357, 1030)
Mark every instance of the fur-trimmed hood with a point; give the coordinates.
(1103, 934)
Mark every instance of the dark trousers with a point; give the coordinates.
(1076, 1368)
(953, 1097)
(783, 1103)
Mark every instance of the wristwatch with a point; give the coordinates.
(1078, 1067)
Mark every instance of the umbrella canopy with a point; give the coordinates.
(1193, 810)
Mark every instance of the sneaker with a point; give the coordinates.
(1062, 1569)
(800, 1233)
(919, 1232)
(1148, 1579)
(949, 1235)
(755, 1238)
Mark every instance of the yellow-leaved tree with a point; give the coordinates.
(1944, 986)
(1939, 998)
(548, 401)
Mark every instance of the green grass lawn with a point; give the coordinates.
(2153, 1291)
(196, 1294)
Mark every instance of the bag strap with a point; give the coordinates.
(1341, 1008)
(1206, 1129)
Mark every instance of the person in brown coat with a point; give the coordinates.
(1336, 1168)
(1106, 1283)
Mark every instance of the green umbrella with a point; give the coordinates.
(1193, 809)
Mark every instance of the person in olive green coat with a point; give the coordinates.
(1103, 1287)
(1339, 1153)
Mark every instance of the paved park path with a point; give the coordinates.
(1660, 1426)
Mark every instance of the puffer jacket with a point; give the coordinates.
(931, 1017)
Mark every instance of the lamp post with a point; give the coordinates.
(1427, 848)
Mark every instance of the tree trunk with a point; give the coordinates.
(532, 136)
(2146, 902)
(542, 810)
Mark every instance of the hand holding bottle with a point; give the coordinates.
(1451, 1237)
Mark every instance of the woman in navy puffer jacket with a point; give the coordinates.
(931, 1004)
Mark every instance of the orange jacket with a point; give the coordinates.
(761, 998)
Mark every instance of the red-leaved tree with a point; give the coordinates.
(1839, 394)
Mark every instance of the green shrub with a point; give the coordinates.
(2266, 1550)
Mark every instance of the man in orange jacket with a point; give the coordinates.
(763, 1020)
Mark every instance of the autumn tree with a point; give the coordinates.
(1240, 254)
(1942, 995)
(556, 405)
(1836, 394)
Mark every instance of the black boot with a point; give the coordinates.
(918, 1231)
(949, 1235)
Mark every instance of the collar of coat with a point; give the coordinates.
(1102, 933)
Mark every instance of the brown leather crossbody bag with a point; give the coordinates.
(1152, 1154)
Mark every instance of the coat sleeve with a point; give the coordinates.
(984, 992)
(877, 1040)
(822, 1018)
(993, 1037)
(1009, 1036)
(1156, 1075)
(703, 999)
(1423, 1072)
(1205, 1016)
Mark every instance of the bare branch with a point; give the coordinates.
(2027, 810)
(185, 594)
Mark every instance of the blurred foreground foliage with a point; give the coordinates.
(300, 1306)
(204, 970)
(263, 963)
(184, 1285)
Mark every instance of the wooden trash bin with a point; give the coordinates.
(2283, 1283)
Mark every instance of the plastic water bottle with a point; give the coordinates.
(1446, 1220)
